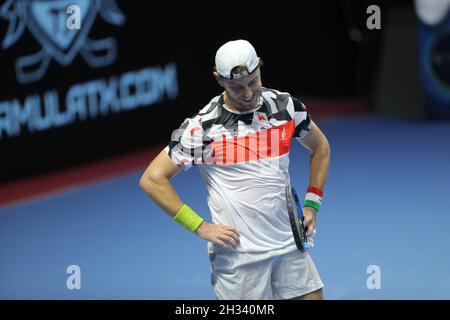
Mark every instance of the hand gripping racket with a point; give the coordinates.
(296, 219)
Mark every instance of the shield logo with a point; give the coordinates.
(46, 20)
(47, 23)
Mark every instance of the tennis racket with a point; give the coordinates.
(296, 219)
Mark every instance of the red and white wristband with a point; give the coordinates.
(313, 198)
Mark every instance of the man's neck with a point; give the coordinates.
(232, 107)
(229, 104)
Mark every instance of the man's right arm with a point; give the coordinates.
(156, 182)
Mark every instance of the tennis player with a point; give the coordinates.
(240, 142)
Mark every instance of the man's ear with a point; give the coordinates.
(218, 79)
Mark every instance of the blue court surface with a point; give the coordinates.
(386, 204)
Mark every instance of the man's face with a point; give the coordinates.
(243, 93)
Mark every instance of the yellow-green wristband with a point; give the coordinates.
(188, 218)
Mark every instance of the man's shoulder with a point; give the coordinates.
(208, 114)
(282, 99)
(211, 106)
(275, 92)
(277, 101)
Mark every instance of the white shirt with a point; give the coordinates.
(244, 161)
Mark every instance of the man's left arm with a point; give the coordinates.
(317, 144)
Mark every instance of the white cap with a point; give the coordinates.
(233, 54)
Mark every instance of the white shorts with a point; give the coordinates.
(281, 274)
